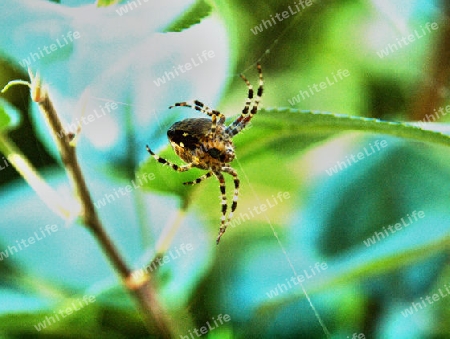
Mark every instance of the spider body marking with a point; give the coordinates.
(207, 144)
(192, 142)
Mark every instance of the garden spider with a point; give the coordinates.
(207, 144)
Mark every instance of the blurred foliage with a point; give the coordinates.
(325, 219)
(9, 117)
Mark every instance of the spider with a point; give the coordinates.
(207, 144)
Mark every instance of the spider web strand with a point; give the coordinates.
(316, 313)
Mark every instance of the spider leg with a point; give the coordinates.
(247, 114)
(232, 172)
(248, 101)
(163, 161)
(199, 180)
(199, 106)
(223, 226)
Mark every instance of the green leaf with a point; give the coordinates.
(287, 132)
(289, 122)
(106, 3)
(192, 16)
(9, 116)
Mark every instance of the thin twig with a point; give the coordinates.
(142, 290)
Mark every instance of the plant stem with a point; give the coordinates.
(143, 291)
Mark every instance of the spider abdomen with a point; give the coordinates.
(193, 142)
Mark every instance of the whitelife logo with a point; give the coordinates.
(406, 40)
(208, 327)
(269, 203)
(416, 306)
(316, 88)
(353, 159)
(45, 232)
(108, 107)
(437, 113)
(75, 306)
(415, 216)
(206, 55)
(129, 6)
(5, 162)
(66, 40)
(281, 16)
(123, 191)
(164, 259)
(313, 271)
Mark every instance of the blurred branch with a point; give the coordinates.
(142, 289)
(49, 196)
(434, 89)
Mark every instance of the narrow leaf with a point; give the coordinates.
(192, 16)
